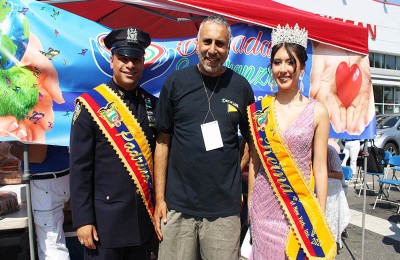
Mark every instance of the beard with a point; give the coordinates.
(202, 62)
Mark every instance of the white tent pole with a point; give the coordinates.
(365, 155)
(26, 180)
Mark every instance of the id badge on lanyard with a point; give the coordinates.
(212, 135)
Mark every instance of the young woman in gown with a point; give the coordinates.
(287, 196)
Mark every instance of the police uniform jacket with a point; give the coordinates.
(102, 192)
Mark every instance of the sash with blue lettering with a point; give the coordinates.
(125, 135)
(310, 235)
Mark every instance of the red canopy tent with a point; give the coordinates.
(162, 23)
(266, 13)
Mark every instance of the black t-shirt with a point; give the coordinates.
(199, 182)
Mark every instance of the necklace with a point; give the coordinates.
(209, 97)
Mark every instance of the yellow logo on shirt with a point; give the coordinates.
(231, 108)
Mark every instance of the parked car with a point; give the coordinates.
(388, 133)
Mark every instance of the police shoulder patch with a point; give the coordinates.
(77, 111)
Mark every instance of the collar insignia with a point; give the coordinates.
(150, 113)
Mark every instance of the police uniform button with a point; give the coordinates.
(108, 197)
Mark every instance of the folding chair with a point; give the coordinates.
(395, 166)
(347, 173)
(385, 183)
(347, 176)
(388, 155)
(384, 188)
(379, 174)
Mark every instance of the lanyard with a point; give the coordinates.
(209, 97)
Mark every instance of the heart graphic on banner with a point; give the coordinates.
(348, 82)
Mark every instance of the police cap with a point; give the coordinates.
(128, 41)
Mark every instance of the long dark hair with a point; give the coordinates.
(291, 48)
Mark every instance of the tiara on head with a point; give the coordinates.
(289, 35)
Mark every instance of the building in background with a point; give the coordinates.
(382, 18)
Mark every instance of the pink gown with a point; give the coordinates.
(269, 226)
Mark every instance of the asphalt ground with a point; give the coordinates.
(381, 228)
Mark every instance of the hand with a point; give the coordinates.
(249, 220)
(359, 112)
(86, 234)
(362, 110)
(9, 127)
(160, 214)
(41, 117)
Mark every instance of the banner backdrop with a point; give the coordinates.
(48, 57)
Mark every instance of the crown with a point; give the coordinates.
(289, 35)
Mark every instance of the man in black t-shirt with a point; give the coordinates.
(197, 157)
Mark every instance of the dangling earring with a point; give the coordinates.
(273, 86)
(301, 87)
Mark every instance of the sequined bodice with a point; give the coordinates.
(299, 137)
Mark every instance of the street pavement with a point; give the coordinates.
(381, 229)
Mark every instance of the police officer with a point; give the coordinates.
(111, 164)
